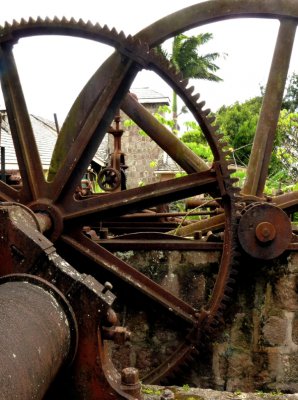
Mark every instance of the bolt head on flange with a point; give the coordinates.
(264, 231)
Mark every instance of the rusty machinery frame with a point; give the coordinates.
(44, 211)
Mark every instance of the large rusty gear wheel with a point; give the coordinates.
(55, 197)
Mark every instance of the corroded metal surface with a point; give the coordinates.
(34, 340)
(264, 231)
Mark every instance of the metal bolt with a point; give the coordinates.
(130, 383)
(118, 334)
(167, 395)
(130, 376)
(107, 286)
(112, 316)
(198, 235)
(265, 232)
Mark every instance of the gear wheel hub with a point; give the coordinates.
(264, 231)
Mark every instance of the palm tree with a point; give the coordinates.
(186, 58)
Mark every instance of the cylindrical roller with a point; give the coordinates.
(35, 339)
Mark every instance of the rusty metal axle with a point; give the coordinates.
(36, 333)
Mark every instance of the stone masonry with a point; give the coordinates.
(256, 349)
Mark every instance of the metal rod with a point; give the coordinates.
(3, 176)
(56, 123)
(170, 214)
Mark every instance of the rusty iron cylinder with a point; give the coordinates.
(35, 339)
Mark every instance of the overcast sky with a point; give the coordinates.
(53, 71)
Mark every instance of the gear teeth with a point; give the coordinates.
(201, 104)
(211, 119)
(223, 143)
(237, 193)
(196, 97)
(231, 281)
(190, 89)
(122, 35)
(226, 298)
(234, 180)
(130, 39)
(183, 82)
(206, 112)
(228, 289)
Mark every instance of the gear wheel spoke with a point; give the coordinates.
(87, 249)
(24, 141)
(143, 197)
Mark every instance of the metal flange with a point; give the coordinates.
(264, 231)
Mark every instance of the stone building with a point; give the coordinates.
(146, 161)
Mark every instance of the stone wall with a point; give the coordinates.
(141, 155)
(256, 348)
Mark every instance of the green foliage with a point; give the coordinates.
(127, 123)
(238, 123)
(185, 56)
(152, 391)
(202, 150)
(290, 100)
(287, 144)
(164, 116)
(195, 140)
(240, 175)
(193, 133)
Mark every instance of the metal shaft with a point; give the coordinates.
(34, 340)
(183, 156)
